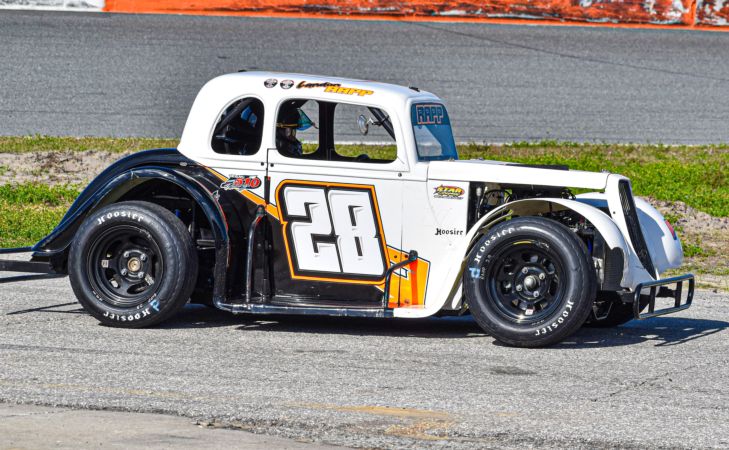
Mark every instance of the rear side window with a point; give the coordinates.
(240, 128)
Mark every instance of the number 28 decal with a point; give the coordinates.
(332, 232)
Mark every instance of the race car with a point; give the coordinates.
(275, 202)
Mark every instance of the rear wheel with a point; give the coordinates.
(529, 282)
(132, 264)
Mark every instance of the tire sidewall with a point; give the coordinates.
(155, 226)
(578, 290)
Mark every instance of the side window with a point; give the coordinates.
(363, 133)
(297, 129)
(240, 128)
(335, 132)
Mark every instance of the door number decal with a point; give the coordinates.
(332, 232)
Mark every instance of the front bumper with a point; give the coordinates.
(660, 289)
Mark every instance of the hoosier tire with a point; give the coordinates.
(529, 282)
(132, 264)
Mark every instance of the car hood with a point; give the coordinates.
(512, 173)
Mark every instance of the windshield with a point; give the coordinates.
(432, 130)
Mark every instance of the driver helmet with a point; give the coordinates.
(291, 120)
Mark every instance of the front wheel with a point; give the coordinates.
(529, 282)
(132, 264)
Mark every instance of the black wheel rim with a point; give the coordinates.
(125, 266)
(525, 280)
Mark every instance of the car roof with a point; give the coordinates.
(220, 92)
(289, 81)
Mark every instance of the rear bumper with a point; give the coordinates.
(662, 289)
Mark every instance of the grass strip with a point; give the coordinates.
(22, 225)
(38, 143)
(28, 212)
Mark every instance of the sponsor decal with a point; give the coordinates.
(271, 82)
(241, 183)
(348, 91)
(444, 191)
(287, 84)
(334, 88)
(429, 114)
(307, 85)
(448, 232)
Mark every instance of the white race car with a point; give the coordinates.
(265, 209)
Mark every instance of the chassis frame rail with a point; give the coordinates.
(37, 268)
(658, 289)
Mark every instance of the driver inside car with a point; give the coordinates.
(291, 120)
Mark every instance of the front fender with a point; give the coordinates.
(664, 245)
(632, 272)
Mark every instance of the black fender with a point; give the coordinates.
(126, 174)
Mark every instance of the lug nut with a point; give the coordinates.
(124, 271)
(126, 254)
(541, 276)
(536, 294)
(518, 287)
(143, 257)
(525, 270)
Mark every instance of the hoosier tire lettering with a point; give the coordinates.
(485, 246)
(123, 214)
(557, 322)
(127, 318)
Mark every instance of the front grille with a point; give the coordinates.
(613, 272)
(634, 231)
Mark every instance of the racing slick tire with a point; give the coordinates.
(132, 264)
(529, 282)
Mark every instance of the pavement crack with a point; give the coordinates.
(638, 385)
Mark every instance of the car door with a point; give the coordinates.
(338, 215)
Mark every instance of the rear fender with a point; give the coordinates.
(111, 186)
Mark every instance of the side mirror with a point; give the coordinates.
(364, 124)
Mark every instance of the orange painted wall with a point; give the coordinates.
(665, 12)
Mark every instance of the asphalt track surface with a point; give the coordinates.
(137, 75)
(436, 383)
(40, 427)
